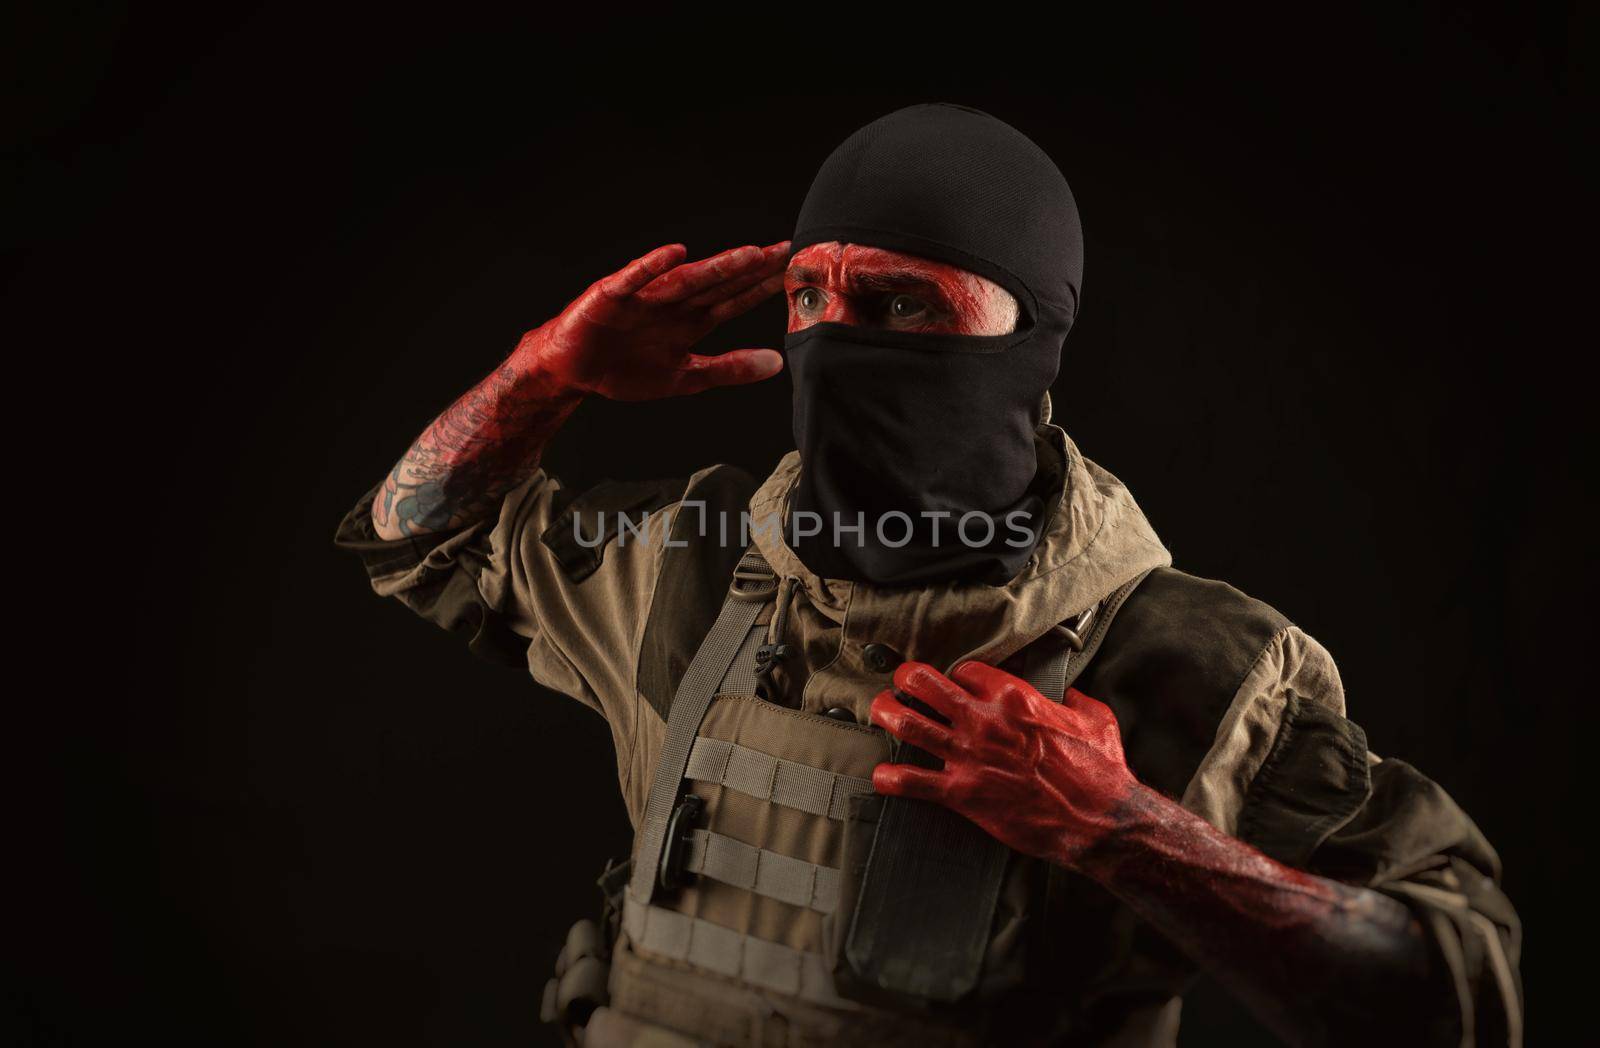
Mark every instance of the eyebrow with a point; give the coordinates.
(896, 280)
(878, 280)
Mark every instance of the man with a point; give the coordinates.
(1008, 860)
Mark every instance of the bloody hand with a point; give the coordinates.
(1046, 779)
(629, 335)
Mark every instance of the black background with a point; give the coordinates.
(1327, 338)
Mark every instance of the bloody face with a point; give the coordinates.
(875, 287)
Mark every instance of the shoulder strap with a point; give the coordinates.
(753, 584)
(927, 897)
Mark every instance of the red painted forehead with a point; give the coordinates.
(836, 265)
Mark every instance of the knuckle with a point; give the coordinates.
(1097, 711)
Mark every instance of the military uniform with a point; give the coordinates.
(1223, 704)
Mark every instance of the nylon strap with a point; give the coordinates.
(753, 583)
(765, 777)
(771, 965)
(781, 877)
(928, 895)
(740, 678)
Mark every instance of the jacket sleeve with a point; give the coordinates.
(1293, 777)
(1410, 840)
(559, 582)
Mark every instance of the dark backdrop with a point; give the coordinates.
(1326, 339)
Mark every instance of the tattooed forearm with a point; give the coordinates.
(484, 444)
(1317, 960)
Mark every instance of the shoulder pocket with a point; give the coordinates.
(1314, 780)
(580, 533)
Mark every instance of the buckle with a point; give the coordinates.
(680, 837)
(753, 583)
(1075, 632)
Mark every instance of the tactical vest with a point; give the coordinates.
(774, 898)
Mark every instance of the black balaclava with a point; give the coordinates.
(896, 428)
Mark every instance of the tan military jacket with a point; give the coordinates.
(582, 637)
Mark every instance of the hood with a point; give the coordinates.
(1097, 539)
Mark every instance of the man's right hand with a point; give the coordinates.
(629, 336)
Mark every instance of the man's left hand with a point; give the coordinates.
(1047, 779)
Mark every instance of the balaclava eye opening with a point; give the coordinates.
(917, 459)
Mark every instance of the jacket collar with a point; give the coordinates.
(1096, 540)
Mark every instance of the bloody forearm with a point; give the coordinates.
(1319, 961)
(481, 447)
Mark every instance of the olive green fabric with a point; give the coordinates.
(1277, 762)
(1170, 665)
(1411, 841)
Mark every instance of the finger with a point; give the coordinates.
(922, 681)
(908, 780)
(689, 280)
(907, 725)
(642, 270)
(774, 259)
(982, 679)
(736, 367)
(748, 300)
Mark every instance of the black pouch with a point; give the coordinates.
(937, 908)
(1004, 951)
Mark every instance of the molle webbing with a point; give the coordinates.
(770, 965)
(752, 585)
(790, 880)
(761, 775)
(718, 667)
(927, 898)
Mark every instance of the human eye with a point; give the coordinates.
(809, 300)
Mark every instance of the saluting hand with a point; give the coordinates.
(629, 336)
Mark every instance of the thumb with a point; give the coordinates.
(736, 367)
